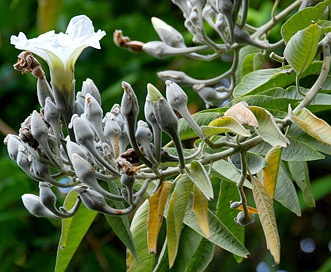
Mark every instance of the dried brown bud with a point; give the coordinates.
(123, 41)
(27, 63)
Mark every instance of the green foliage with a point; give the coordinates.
(273, 116)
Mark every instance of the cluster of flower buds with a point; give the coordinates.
(227, 18)
(92, 153)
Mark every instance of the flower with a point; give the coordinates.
(61, 50)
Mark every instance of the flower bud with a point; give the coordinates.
(38, 128)
(166, 119)
(90, 88)
(144, 138)
(52, 116)
(161, 50)
(243, 219)
(91, 199)
(129, 104)
(94, 113)
(48, 198)
(44, 91)
(95, 201)
(167, 33)
(12, 142)
(176, 96)
(74, 148)
(86, 174)
(83, 132)
(212, 97)
(128, 181)
(150, 117)
(33, 205)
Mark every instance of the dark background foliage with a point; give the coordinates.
(28, 243)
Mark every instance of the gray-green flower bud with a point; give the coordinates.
(167, 33)
(13, 142)
(144, 138)
(94, 114)
(243, 219)
(43, 91)
(86, 174)
(90, 88)
(32, 204)
(166, 119)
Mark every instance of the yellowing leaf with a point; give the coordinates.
(266, 213)
(312, 125)
(250, 209)
(155, 214)
(200, 208)
(243, 114)
(177, 207)
(225, 124)
(270, 172)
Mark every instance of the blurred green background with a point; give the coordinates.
(28, 243)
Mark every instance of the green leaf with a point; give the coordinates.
(228, 193)
(322, 102)
(225, 124)
(156, 206)
(219, 233)
(247, 62)
(302, 19)
(320, 188)
(312, 125)
(298, 134)
(255, 162)
(265, 79)
(285, 192)
(268, 129)
(177, 207)
(229, 172)
(145, 260)
(201, 257)
(299, 172)
(120, 224)
(186, 132)
(199, 176)
(188, 244)
(200, 208)
(267, 217)
(278, 106)
(325, 25)
(298, 150)
(72, 232)
(270, 172)
(302, 47)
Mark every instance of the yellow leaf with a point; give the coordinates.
(270, 172)
(243, 114)
(312, 125)
(266, 213)
(155, 214)
(200, 208)
(250, 209)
